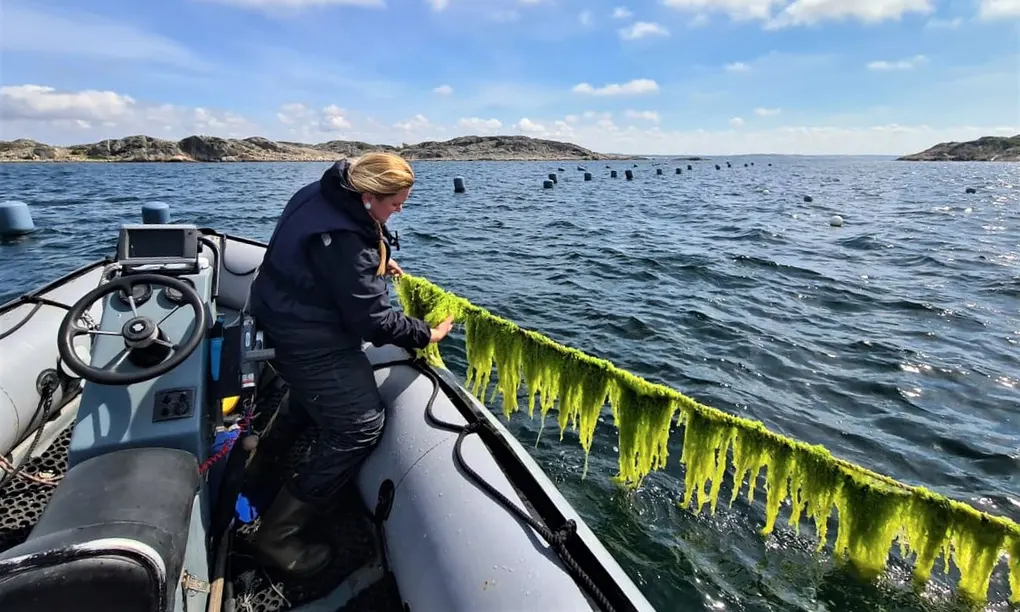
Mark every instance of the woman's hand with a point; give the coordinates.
(393, 268)
(439, 332)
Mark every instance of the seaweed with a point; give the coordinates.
(874, 511)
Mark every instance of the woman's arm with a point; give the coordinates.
(345, 267)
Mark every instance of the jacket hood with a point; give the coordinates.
(339, 192)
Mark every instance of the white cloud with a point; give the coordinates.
(635, 87)
(641, 29)
(443, 90)
(903, 64)
(999, 9)
(621, 12)
(530, 127)
(333, 119)
(476, 125)
(767, 112)
(586, 18)
(737, 67)
(810, 12)
(438, 5)
(93, 115)
(644, 115)
(414, 124)
(735, 9)
(736, 122)
(782, 13)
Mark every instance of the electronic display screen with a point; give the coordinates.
(157, 243)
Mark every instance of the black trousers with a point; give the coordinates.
(336, 390)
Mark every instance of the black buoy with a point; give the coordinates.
(728, 165)
(745, 165)
(587, 176)
(580, 169)
(658, 171)
(717, 167)
(560, 170)
(752, 163)
(970, 190)
(689, 168)
(458, 184)
(612, 174)
(808, 199)
(552, 177)
(629, 174)
(770, 163)
(678, 171)
(635, 165)
(547, 184)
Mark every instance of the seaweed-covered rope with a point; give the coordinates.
(874, 510)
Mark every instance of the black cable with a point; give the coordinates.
(556, 538)
(39, 303)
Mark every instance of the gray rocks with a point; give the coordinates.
(214, 149)
(986, 148)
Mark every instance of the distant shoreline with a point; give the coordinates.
(986, 148)
(211, 149)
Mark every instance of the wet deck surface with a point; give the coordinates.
(255, 588)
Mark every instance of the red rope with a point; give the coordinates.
(229, 444)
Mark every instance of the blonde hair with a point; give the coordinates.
(380, 174)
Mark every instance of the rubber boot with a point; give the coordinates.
(277, 542)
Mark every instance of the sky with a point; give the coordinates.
(884, 77)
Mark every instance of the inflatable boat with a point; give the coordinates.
(142, 429)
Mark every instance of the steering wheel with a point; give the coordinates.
(139, 331)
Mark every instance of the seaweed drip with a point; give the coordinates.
(874, 511)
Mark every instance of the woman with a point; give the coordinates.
(320, 292)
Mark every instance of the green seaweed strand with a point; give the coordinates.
(874, 511)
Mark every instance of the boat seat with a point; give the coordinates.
(113, 534)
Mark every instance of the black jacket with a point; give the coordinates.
(317, 286)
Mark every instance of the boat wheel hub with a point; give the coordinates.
(139, 332)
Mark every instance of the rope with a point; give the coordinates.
(242, 426)
(44, 406)
(557, 538)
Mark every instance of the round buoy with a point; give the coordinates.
(552, 177)
(15, 219)
(728, 165)
(612, 174)
(547, 184)
(808, 199)
(745, 165)
(770, 164)
(587, 176)
(678, 171)
(658, 171)
(717, 167)
(458, 184)
(629, 174)
(156, 213)
(836, 221)
(970, 190)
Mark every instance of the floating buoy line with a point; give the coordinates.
(875, 512)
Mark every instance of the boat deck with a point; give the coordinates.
(254, 588)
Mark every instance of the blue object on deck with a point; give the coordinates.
(15, 218)
(156, 213)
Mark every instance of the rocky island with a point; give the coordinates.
(986, 148)
(214, 149)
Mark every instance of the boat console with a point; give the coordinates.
(131, 514)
